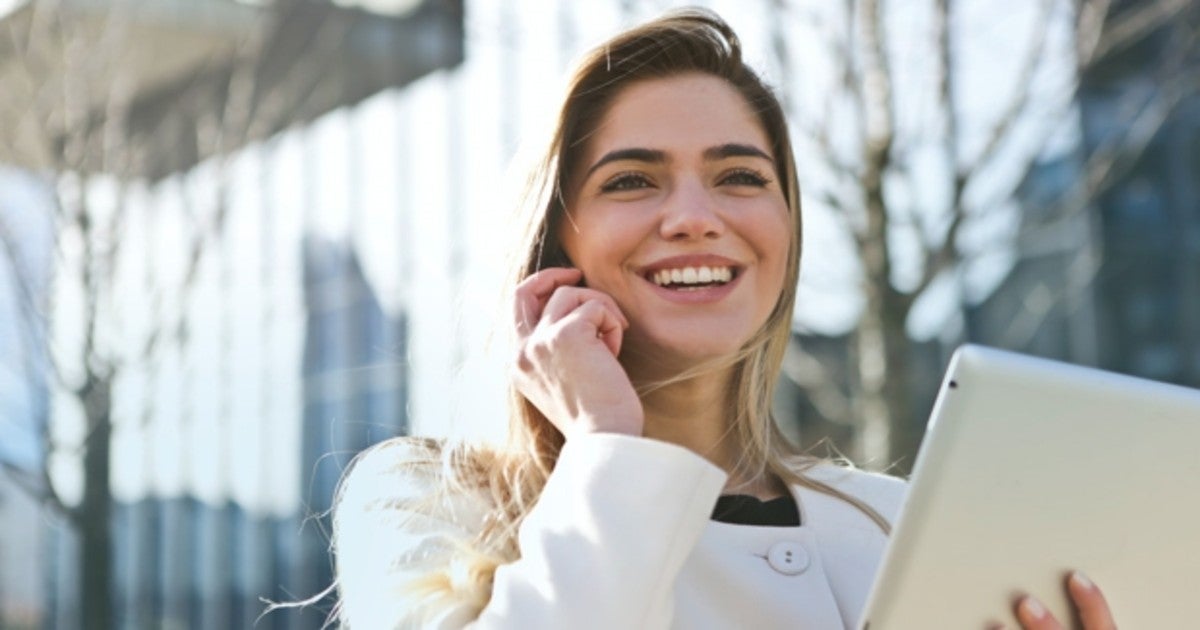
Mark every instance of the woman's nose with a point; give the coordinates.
(691, 212)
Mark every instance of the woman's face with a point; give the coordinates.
(678, 214)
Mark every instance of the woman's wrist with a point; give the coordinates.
(624, 424)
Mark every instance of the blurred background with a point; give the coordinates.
(240, 240)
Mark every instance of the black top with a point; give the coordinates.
(742, 509)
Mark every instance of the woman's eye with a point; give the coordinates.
(625, 181)
(744, 177)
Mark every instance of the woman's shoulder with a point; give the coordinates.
(883, 492)
(844, 474)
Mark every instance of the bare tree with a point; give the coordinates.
(907, 192)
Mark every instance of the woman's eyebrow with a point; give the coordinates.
(653, 156)
(734, 149)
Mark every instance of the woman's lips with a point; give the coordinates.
(684, 277)
(670, 269)
(692, 278)
(699, 293)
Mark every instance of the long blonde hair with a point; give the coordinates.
(682, 41)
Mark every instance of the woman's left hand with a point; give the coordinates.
(1089, 602)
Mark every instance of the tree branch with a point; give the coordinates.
(1142, 19)
(1016, 105)
(879, 126)
(944, 256)
(845, 88)
(942, 19)
(876, 83)
(1090, 18)
(36, 485)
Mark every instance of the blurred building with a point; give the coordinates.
(1113, 279)
(187, 563)
(1148, 288)
(292, 354)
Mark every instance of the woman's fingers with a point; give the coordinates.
(534, 292)
(549, 295)
(591, 307)
(1033, 615)
(1089, 603)
(595, 315)
(567, 299)
(1093, 608)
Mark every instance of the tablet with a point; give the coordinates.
(1030, 468)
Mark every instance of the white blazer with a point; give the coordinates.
(622, 538)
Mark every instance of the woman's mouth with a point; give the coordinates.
(692, 278)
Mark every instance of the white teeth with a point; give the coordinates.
(692, 275)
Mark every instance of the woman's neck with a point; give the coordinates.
(696, 415)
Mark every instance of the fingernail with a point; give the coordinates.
(1033, 608)
(1081, 581)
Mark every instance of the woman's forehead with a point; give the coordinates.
(679, 116)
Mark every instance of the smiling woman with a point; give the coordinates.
(682, 220)
(645, 484)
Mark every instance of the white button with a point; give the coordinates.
(788, 558)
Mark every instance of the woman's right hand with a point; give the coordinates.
(1092, 608)
(568, 339)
